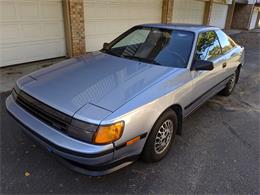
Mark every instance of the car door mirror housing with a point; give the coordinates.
(105, 46)
(202, 65)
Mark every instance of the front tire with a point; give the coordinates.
(161, 137)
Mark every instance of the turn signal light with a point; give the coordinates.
(132, 141)
(109, 133)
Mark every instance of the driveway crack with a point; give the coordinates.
(234, 133)
(256, 109)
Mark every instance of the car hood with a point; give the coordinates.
(97, 79)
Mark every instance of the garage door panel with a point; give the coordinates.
(120, 26)
(96, 26)
(9, 54)
(51, 49)
(27, 9)
(34, 50)
(14, 33)
(44, 50)
(116, 11)
(9, 33)
(35, 31)
(7, 10)
(106, 19)
(218, 15)
(49, 10)
(96, 11)
(53, 30)
(188, 11)
(31, 30)
(31, 51)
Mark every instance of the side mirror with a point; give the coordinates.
(105, 46)
(202, 65)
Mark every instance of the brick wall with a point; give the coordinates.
(242, 16)
(76, 31)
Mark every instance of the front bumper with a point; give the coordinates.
(80, 156)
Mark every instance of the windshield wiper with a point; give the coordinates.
(141, 59)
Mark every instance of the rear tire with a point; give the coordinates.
(161, 137)
(231, 84)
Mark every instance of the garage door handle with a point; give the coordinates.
(224, 65)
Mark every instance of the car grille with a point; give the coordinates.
(43, 112)
(72, 127)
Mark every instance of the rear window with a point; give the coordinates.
(226, 43)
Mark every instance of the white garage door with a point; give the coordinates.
(219, 15)
(30, 30)
(188, 11)
(106, 19)
(253, 20)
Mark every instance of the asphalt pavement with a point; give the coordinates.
(217, 153)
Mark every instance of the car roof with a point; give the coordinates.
(178, 26)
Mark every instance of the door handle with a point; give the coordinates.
(224, 65)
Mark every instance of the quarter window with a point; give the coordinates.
(208, 46)
(225, 41)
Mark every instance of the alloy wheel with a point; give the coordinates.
(163, 137)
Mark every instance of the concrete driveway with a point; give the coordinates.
(217, 153)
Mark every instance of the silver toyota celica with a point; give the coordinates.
(101, 111)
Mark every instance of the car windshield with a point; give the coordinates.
(153, 45)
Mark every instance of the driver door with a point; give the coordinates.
(205, 81)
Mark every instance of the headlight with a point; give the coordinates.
(81, 130)
(108, 133)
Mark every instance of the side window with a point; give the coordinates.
(208, 46)
(225, 41)
(214, 49)
(202, 47)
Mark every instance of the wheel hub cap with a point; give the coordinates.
(163, 137)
